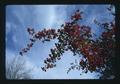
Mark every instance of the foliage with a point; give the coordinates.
(77, 38)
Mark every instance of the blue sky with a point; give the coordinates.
(20, 17)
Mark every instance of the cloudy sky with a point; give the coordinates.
(20, 17)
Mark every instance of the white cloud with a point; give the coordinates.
(8, 27)
(49, 16)
(61, 15)
(20, 13)
(44, 15)
(14, 39)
